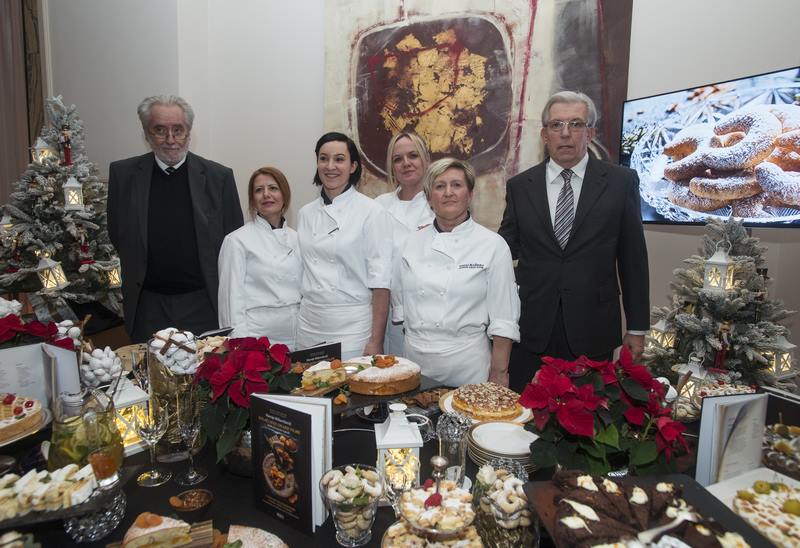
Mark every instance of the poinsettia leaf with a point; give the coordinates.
(618, 409)
(234, 424)
(658, 467)
(605, 416)
(213, 418)
(634, 390)
(597, 467)
(569, 458)
(543, 453)
(612, 392)
(608, 436)
(592, 450)
(643, 453)
(583, 379)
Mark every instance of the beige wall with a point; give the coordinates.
(253, 70)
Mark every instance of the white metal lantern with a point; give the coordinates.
(661, 335)
(73, 195)
(51, 274)
(6, 230)
(398, 442)
(697, 376)
(40, 151)
(114, 277)
(129, 402)
(780, 361)
(718, 272)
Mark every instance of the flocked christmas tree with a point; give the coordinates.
(722, 313)
(54, 236)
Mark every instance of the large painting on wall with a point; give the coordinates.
(470, 77)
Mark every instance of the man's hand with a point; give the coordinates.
(634, 343)
(373, 347)
(499, 377)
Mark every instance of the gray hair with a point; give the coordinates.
(440, 166)
(144, 108)
(571, 97)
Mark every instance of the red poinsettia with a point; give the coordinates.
(593, 404)
(11, 326)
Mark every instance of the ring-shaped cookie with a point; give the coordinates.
(680, 195)
(783, 185)
(729, 186)
(760, 127)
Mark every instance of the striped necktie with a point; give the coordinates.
(565, 210)
(170, 170)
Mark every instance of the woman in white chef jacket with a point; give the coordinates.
(346, 245)
(260, 268)
(456, 291)
(407, 159)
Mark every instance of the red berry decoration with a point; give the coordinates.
(428, 483)
(720, 382)
(29, 404)
(9, 399)
(17, 410)
(433, 500)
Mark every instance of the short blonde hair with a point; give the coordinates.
(418, 143)
(283, 185)
(440, 166)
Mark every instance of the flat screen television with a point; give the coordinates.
(709, 168)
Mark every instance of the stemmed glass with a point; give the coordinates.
(189, 428)
(150, 425)
(395, 484)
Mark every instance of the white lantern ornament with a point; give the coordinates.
(780, 360)
(41, 151)
(50, 273)
(718, 271)
(661, 335)
(114, 277)
(398, 442)
(73, 195)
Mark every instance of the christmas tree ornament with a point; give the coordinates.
(73, 195)
(84, 253)
(50, 273)
(115, 276)
(718, 271)
(65, 140)
(724, 344)
(41, 151)
(780, 360)
(661, 335)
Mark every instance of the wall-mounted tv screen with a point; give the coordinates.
(731, 148)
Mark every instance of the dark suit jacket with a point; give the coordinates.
(607, 240)
(216, 207)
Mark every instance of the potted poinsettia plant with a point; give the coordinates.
(248, 366)
(601, 416)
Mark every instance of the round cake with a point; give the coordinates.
(17, 415)
(383, 379)
(487, 401)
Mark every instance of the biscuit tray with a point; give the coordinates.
(98, 499)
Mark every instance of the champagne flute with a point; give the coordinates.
(150, 426)
(189, 428)
(395, 484)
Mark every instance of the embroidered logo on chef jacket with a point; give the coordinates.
(477, 266)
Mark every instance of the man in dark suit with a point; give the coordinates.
(574, 224)
(168, 212)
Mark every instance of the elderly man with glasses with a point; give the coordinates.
(574, 224)
(168, 212)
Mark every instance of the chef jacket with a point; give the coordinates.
(408, 216)
(455, 287)
(260, 270)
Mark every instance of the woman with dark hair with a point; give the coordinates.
(455, 291)
(346, 243)
(407, 159)
(260, 267)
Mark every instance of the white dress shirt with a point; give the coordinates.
(164, 166)
(455, 291)
(555, 182)
(260, 270)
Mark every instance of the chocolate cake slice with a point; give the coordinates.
(663, 495)
(570, 528)
(599, 521)
(615, 495)
(640, 505)
(572, 479)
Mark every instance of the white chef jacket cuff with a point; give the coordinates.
(379, 274)
(397, 314)
(634, 332)
(504, 328)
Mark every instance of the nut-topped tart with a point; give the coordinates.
(487, 401)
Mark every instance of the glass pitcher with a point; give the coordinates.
(85, 431)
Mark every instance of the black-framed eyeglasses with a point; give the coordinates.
(557, 126)
(161, 132)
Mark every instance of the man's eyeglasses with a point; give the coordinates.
(557, 126)
(161, 132)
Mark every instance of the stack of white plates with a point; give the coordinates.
(500, 439)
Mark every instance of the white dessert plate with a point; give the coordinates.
(726, 490)
(47, 416)
(503, 438)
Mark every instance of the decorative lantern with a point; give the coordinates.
(114, 277)
(6, 230)
(398, 442)
(129, 403)
(780, 361)
(718, 272)
(40, 151)
(50, 273)
(696, 377)
(661, 335)
(73, 195)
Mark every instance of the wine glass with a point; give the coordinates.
(150, 425)
(189, 428)
(396, 482)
